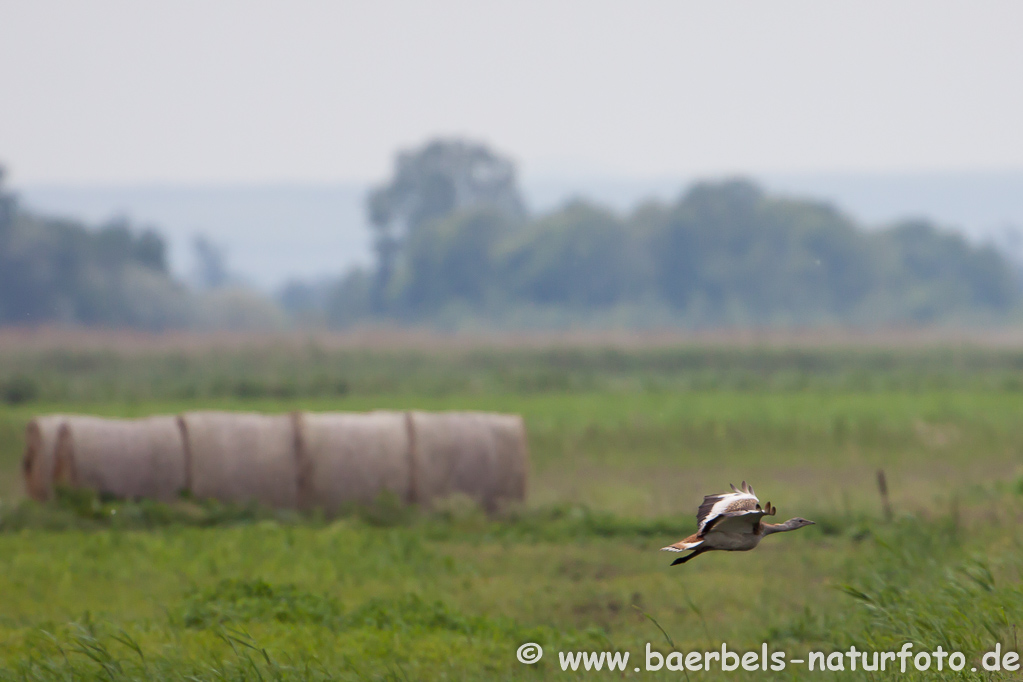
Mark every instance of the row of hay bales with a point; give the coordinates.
(299, 460)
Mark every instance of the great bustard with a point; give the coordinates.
(731, 522)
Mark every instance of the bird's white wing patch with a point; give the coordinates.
(724, 504)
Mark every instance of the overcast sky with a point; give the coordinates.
(229, 92)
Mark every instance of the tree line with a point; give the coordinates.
(454, 242)
(58, 271)
(61, 271)
(456, 246)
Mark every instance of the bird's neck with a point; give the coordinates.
(779, 527)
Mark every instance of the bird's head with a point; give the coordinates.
(798, 522)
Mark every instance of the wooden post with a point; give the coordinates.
(886, 503)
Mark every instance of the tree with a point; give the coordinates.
(210, 263)
(59, 270)
(451, 260)
(117, 242)
(710, 225)
(430, 183)
(728, 253)
(931, 273)
(580, 255)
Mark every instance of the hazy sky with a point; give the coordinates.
(136, 92)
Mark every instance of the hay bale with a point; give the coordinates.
(512, 446)
(242, 457)
(128, 458)
(453, 453)
(478, 454)
(349, 458)
(38, 462)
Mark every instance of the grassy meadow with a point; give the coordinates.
(625, 440)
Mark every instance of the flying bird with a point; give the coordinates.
(732, 522)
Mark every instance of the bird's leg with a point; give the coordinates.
(683, 559)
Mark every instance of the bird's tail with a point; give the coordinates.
(682, 546)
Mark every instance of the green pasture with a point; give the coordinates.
(623, 443)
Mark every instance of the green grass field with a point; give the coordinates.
(624, 444)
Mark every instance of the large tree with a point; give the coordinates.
(430, 183)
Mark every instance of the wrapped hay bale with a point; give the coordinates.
(38, 463)
(129, 458)
(242, 457)
(353, 458)
(480, 455)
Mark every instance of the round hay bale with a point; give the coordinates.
(242, 457)
(130, 458)
(38, 462)
(512, 446)
(454, 452)
(349, 458)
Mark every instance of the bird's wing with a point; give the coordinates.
(715, 507)
(743, 522)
